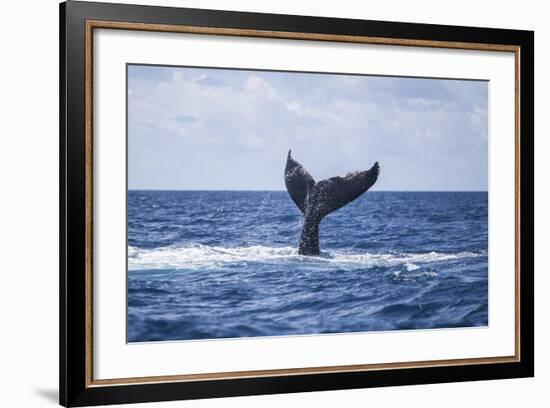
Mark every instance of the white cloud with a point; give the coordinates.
(196, 120)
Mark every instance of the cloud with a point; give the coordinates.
(230, 129)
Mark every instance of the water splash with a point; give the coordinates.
(198, 256)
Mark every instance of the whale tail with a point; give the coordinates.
(318, 199)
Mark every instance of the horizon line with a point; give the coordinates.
(276, 191)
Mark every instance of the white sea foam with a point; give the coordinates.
(411, 267)
(199, 256)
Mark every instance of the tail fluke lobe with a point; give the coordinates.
(298, 182)
(335, 192)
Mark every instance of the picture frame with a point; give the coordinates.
(79, 21)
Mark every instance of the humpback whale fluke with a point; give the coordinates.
(318, 199)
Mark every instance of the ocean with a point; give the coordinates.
(225, 264)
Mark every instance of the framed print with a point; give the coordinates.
(256, 203)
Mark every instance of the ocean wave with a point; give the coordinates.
(198, 256)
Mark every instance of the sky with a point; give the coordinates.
(222, 129)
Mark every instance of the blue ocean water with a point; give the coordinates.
(220, 264)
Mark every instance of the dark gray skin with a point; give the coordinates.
(317, 200)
